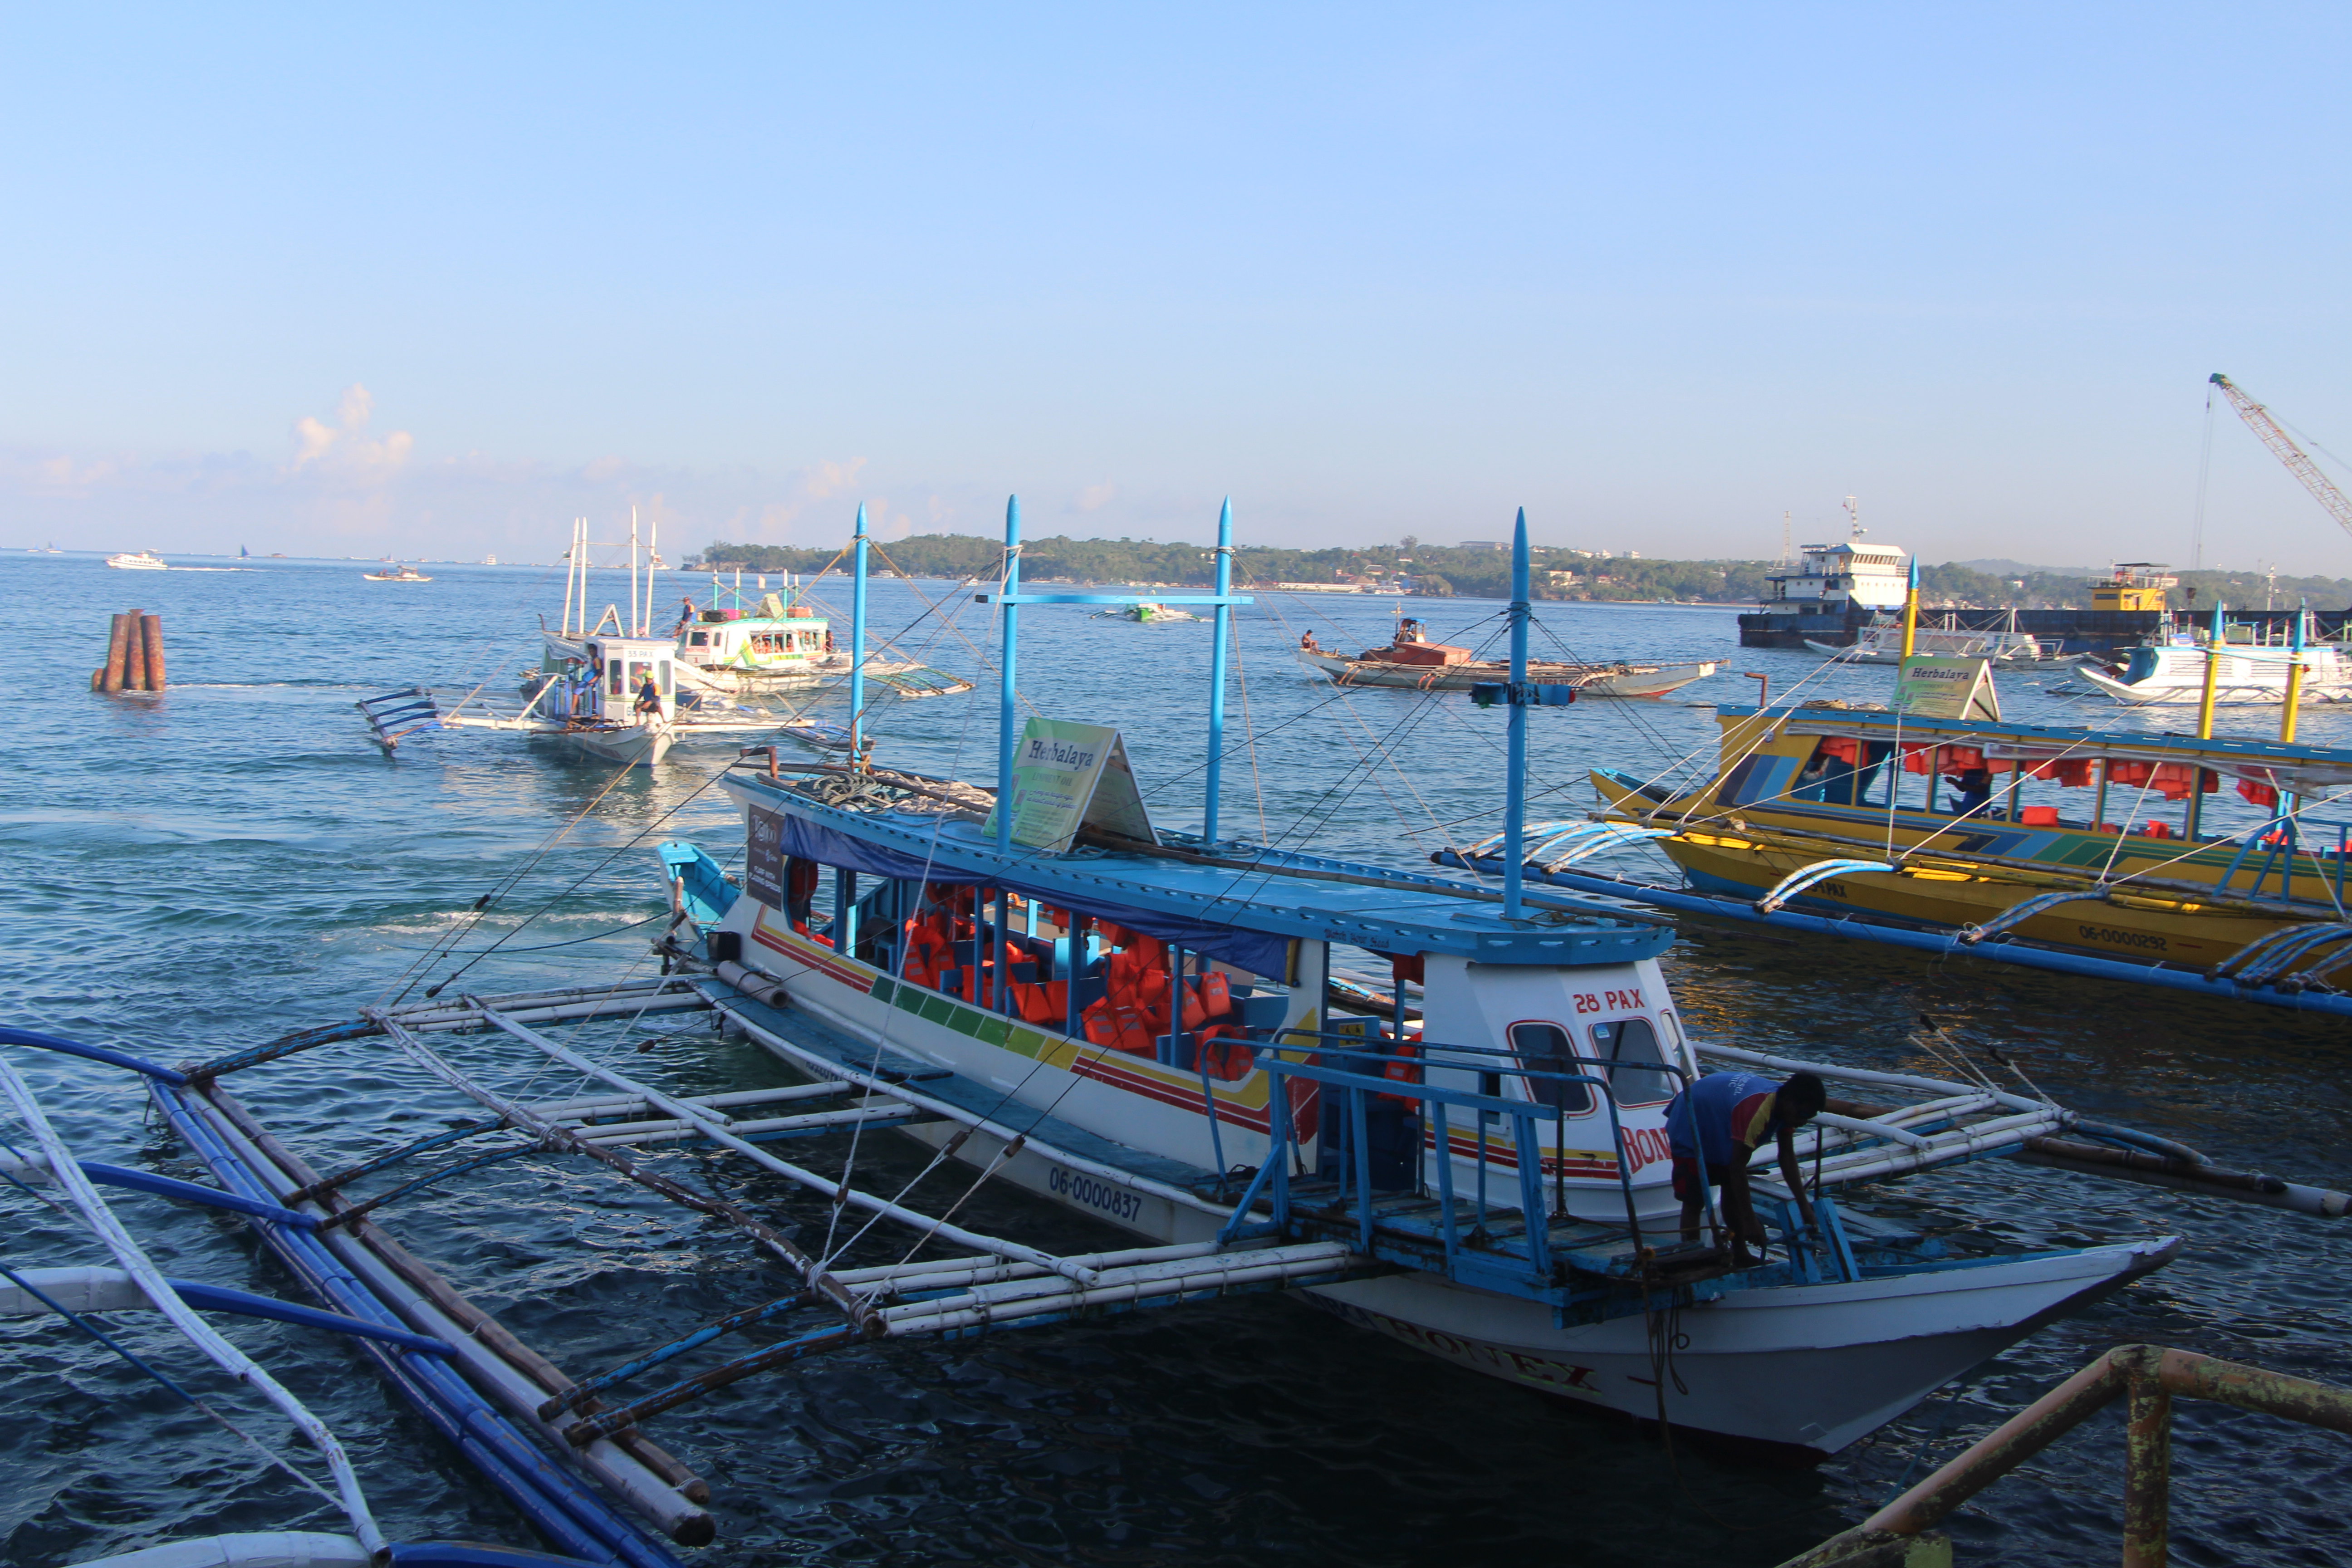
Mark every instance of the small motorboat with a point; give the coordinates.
(1145, 613)
(1418, 666)
(399, 575)
(136, 560)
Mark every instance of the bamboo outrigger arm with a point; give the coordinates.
(1804, 877)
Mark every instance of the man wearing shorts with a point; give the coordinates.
(1720, 1120)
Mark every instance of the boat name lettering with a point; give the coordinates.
(2123, 938)
(1558, 1374)
(1114, 1202)
(1060, 754)
(1629, 1000)
(1645, 1146)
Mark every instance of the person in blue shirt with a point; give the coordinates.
(1718, 1123)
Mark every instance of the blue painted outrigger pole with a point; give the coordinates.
(857, 648)
(1515, 791)
(1007, 656)
(1224, 618)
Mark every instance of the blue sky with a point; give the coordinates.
(1656, 273)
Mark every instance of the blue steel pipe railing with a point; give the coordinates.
(1524, 1115)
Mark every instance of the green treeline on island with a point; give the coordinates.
(1447, 570)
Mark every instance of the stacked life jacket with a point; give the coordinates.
(1138, 1007)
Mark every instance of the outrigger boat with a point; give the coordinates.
(626, 697)
(1414, 663)
(399, 573)
(736, 645)
(2079, 849)
(1146, 613)
(1161, 1001)
(2180, 670)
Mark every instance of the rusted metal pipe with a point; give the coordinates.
(2005, 1447)
(2152, 1376)
(118, 650)
(134, 652)
(151, 640)
(2147, 1468)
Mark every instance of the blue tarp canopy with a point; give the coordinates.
(1257, 951)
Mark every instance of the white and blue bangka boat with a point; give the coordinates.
(1150, 1019)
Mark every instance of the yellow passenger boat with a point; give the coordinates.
(2097, 842)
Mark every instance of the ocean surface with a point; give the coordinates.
(204, 869)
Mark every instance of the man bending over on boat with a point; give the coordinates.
(1723, 1118)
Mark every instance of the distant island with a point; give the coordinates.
(1481, 572)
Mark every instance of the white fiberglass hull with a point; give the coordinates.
(1807, 1368)
(2150, 693)
(1812, 1367)
(637, 745)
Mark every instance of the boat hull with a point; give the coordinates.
(2150, 694)
(1636, 682)
(634, 745)
(1806, 1370)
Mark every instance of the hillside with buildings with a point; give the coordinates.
(1482, 569)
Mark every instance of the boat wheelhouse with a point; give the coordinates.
(1828, 578)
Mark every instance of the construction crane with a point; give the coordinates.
(2258, 419)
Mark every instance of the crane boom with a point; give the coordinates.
(2258, 419)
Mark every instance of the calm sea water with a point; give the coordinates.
(210, 868)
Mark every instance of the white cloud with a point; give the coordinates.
(345, 449)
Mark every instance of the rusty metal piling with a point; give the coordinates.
(134, 655)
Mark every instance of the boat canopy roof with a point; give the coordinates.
(2244, 755)
(1281, 896)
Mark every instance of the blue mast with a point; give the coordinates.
(1005, 738)
(857, 648)
(1217, 667)
(1515, 797)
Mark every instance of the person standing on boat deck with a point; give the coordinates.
(1723, 1118)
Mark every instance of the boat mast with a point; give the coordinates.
(1008, 654)
(2212, 674)
(570, 566)
(1911, 611)
(653, 564)
(2295, 673)
(857, 648)
(633, 570)
(1217, 669)
(1514, 793)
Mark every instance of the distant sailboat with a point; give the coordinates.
(243, 554)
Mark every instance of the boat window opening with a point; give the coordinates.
(1636, 1076)
(1548, 1047)
(699, 639)
(620, 678)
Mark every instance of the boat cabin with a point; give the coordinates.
(1829, 577)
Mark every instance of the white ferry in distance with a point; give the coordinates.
(136, 560)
